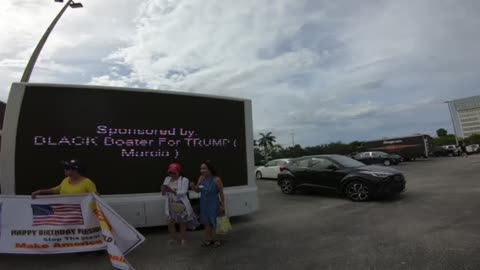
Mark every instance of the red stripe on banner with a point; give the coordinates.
(66, 210)
(66, 206)
(59, 221)
(57, 218)
(67, 213)
(56, 223)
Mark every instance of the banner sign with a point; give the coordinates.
(65, 224)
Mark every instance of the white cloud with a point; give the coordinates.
(73, 52)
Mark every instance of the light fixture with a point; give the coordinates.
(76, 5)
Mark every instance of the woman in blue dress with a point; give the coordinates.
(212, 201)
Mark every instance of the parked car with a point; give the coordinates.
(473, 148)
(345, 175)
(451, 150)
(377, 157)
(271, 169)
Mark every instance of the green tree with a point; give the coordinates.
(276, 151)
(356, 146)
(258, 157)
(266, 142)
(441, 132)
(294, 152)
(445, 140)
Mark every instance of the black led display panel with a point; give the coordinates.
(126, 138)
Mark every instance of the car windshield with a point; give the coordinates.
(347, 162)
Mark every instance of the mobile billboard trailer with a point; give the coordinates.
(126, 138)
(411, 147)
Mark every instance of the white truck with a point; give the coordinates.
(126, 138)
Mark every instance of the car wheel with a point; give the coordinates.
(287, 186)
(387, 162)
(357, 191)
(259, 175)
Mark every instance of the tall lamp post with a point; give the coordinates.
(36, 52)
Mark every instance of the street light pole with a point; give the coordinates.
(36, 52)
(450, 108)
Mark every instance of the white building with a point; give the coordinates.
(465, 114)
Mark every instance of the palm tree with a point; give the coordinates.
(266, 142)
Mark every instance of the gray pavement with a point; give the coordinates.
(434, 225)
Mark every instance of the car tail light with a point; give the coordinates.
(282, 168)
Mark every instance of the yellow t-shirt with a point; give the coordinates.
(85, 186)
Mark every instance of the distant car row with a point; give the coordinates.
(342, 174)
(377, 157)
(453, 150)
(272, 168)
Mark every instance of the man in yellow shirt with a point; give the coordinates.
(74, 183)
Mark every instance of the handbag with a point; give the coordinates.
(223, 225)
(178, 207)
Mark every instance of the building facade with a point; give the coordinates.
(465, 114)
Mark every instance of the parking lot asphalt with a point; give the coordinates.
(435, 224)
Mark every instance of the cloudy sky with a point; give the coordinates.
(325, 69)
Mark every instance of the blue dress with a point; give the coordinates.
(209, 202)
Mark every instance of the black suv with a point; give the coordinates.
(340, 173)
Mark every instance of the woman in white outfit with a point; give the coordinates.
(178, 207)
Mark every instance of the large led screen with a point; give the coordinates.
(125, 138)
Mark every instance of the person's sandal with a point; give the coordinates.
(207, 243)
(217, 244)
